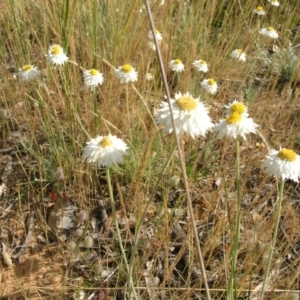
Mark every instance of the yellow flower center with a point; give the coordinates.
(239, 50)
(234, 118)
(238, 107)
(271, 29)
(94, 72)
(211, 81)
(27, 68)
(105, 142)
(157, 32)
(186, 103)
(260, 8)
(287, 154)
(177, 61)
(55, 50)
(203, 62)
(127, 68)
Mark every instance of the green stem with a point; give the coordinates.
(127, 108)
(278, 214)
(95, 26)
(96, 119)
(232, 291)
(113, 207)
(65, 25)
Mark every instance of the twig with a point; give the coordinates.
(25, 244)
(181, 156)
(8, 209)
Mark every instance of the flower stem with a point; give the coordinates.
(96, 118)
(113, 207)
(278, 214)
(232, 292)
(127, 108)
(181, 158)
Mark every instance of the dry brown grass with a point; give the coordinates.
(45, 125)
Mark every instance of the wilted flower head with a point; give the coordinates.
(126, 73)
(56, 55)
(105, 150)
(176, 65)
(92, 78)
(234, 126)
(284, 164)
(269, 32)
(190, 116)
(210, 85)
(200, 65)
(238, 54)
(259, 11)
(28, 72)
(274, 2)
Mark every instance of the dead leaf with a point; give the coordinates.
(61, 219)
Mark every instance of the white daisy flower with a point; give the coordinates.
(176, 65)
(56, 55)
(238, 54)
(149, 77)
(92, 78)
(190, 116)
(284, 163)
(238, 107)
(105, 150)
(28, 72)
(269, 32)
(158, 37)
(259, 11)
(274, 2)
(200, 65)
(210, 85)
(235, 125)
(126, 73)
